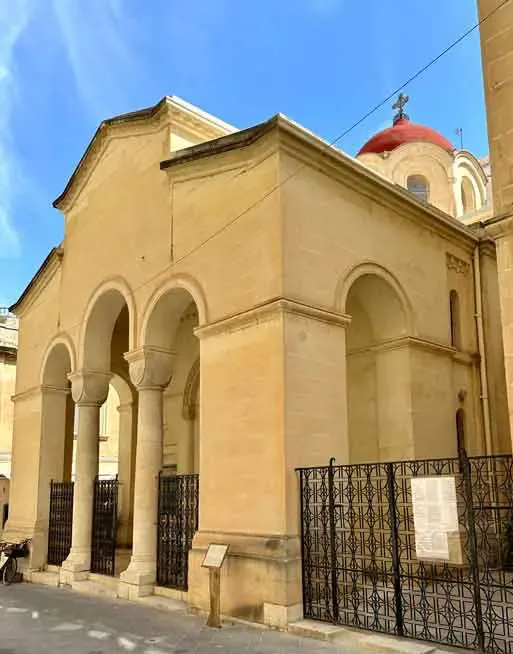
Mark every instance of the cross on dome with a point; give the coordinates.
(400, 104)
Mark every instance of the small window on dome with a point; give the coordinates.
(418, 186)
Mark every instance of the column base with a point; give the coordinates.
(75, 568)
(260, 579)
(138, 580)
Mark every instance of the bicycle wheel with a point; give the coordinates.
(9, 572)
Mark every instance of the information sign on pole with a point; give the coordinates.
(214, 559)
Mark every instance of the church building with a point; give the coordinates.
(260, 302)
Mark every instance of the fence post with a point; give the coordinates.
(159, 529)
(472, 542)
(333, 538)
(394, 533)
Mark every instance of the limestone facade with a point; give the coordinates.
(497, 57)
(8, 349)
(259, 301)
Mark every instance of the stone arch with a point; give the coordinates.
(59, 361)
(102, 311)
(372, 269)
(191, 392)
(123, 389)
(162, 315)
(470, 184)
(378, 363)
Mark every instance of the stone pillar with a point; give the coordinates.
(50, 466)
(89, 390)
(150, 371)
(497, 58)
(272, 398)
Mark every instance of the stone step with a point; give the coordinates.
(165, 603)
(104, 580)
(170, 593)
(42, 577)
(317, 630)
(90, 587)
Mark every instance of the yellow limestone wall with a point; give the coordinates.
(497, 55)
(7, 386)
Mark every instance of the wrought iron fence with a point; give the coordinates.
(177, 524)
(360, 566)
(60, 521)
(105, 509)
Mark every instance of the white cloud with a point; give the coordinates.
(14, 16)
(96, 39)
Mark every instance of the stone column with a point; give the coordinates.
(89, 390)
(150, 371)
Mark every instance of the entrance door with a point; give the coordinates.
(60, 521)
(177, 524)
(105, 509)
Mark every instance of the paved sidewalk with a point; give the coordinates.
(36, 620)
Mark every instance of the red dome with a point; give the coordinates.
(403, 131)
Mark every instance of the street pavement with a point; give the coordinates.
(39, 619)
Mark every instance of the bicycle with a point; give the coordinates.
(9, 555)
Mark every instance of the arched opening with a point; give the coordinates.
(454, 319)
(106, 338)
(171, 326)
(468, 196)
(418, 186)
(59, 410)
(378, 369)
(56, 444)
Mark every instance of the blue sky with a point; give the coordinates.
(67, 64)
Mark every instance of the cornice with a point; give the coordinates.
(269, 310)
(40, 389)
(500, 226)
(299, 143)
(433, 347)
(36, 285)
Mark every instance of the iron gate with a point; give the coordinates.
(177, 524)
(359, 552)
(105, 509)
(60, 521)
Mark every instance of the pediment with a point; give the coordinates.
(186, 123)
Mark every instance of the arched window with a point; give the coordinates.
(468, 197)
(454, 314)
(418, 186)
(460, 433)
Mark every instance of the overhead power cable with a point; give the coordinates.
(328, 145)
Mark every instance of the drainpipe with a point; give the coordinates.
(482, 352)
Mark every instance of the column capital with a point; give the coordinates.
(89, 387)
(150, 367)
